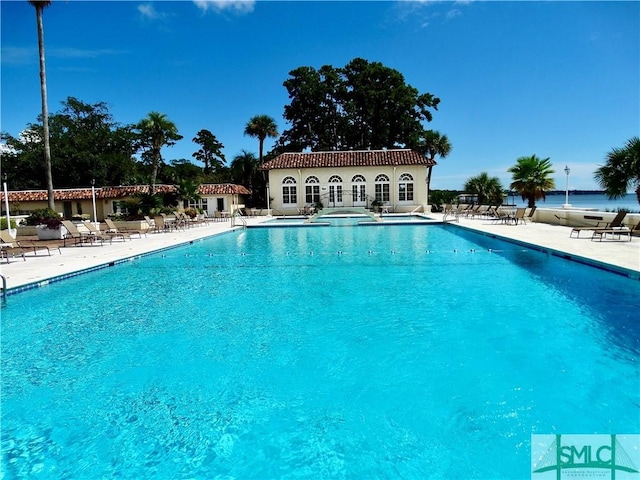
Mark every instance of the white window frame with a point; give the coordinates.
(289, 191)
(405, 188)
(382, 183)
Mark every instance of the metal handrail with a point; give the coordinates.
(4, 289)
(237, 214)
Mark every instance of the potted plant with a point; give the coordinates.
(375, 205)
(48, 224)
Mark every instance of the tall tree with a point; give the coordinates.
(244, 169)
(621, 173)
(261, 127)
(154, 132)
(432, 144)
(487, 189)
(364, 105)
(40, 5)
(531, 178)
(210, 152)
(85, 144)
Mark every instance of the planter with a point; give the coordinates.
(27, 231)
(45, 233)
(131, 225)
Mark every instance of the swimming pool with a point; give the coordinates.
(398, 352)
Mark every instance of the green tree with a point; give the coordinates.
(40, 5)
(364, 105)
(210, 152)
(85, 144)
(154, 132)
(244, 169)
(22, 159)
(621, 173)
(188, 192)
(531, 178)
(261, 127)
(487, 189)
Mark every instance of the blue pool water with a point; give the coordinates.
(368, 352)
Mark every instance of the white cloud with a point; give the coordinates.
(147, 10)
(453, 13)
(236, 6)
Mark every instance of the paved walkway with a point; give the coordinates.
(618, 255)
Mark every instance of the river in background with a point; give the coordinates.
(597, 201)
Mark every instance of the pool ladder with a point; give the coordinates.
(4, 289)
(237, 214)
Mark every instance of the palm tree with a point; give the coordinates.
(432, 144)
(40, 6)
(154, 132)
(621, 173)
(531, 178)
(487, 189)
(261, 127)
(188, 191)
(243, 168)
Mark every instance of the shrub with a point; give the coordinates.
(45, 216)
(3, 223)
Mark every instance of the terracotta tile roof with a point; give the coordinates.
(222, 189)
(117, 192)
(351, 158)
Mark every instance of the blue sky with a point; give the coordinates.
(555, 79)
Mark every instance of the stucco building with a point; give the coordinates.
(393, 178)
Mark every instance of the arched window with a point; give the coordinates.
(382, 188)
(312, 190)
(289, 191)
(358, 190)
(335, 190)
(405, 188)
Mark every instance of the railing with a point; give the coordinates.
(235, 215)
(4, 290)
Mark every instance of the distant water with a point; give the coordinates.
(598, 201)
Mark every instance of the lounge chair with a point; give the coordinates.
(80, 238)
(616, 232)
(111, 228)
(12, 249)
(28, 246)
(615, 223)
(106, 234)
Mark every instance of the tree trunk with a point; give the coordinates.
(45, 111)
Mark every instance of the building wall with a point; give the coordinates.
(417, 172)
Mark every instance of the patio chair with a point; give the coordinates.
(111, 228)
(150, 223)
(528, 217)
(615, 223)
(162, 224)
(28, 246)
(519, 216)
(78, 237)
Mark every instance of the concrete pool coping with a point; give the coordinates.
(618, 256)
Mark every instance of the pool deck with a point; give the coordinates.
(621, 256)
